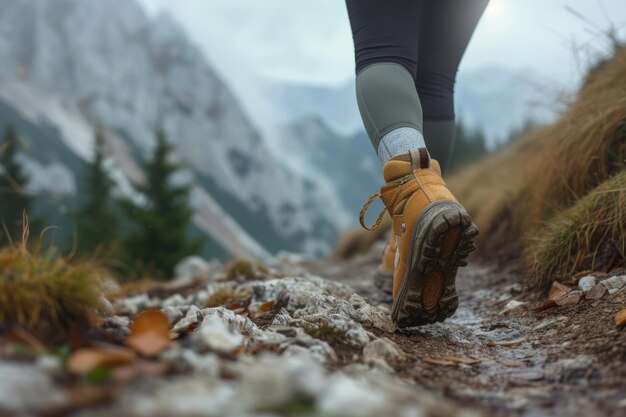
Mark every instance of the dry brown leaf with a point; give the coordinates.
(85, 360)
(149, 333)
(439, 362)
(620, 318)
(267, 306)
(458, 359)
(568, 299)
(596, 292)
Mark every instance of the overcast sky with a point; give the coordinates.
(310, 40)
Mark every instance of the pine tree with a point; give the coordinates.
(15, 201)
(97, 225)
(162, 222)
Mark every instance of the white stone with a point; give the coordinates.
(382, 348)
(191, 319)
(214, 334)
(587, 282)
(511, 305)
(26, 390)
(174, 314)
(616, 283)
(192, 267)
(235, 322)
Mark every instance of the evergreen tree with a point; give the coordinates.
(15, 201)
(96, 221)
(160, 238)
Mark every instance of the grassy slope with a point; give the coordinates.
(514, 194)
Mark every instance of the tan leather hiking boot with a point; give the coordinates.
(433, 233)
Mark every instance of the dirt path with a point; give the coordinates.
(568, 361)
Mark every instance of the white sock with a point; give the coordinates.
(399, 141)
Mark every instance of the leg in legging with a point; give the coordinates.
(446, 27)
(386, 42)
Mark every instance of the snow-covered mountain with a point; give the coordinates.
(70, 66)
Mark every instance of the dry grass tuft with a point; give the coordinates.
(591, 235)
(245, 269)
(48, 293)
(512, 194)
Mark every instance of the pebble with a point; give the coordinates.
(382, 349)
(616, 283)
(587, 282)
(174, 314)
(596, 292)
(215, 335)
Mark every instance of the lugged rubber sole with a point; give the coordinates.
(442, 240)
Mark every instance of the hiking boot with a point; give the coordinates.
(433, 233)
(384, 274)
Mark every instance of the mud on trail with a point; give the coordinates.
(502, 356)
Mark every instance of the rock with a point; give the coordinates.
(235, 322)
(374, 316)
(382, 349)
(350, 397)
(596, 292)
(568, 299)
(175, 301)
(214, 334)
(511, 305)
(587, 282)
(186, 359)
(130, 306)
(617, 282)
(189, 322)
(174, 314)
(26, 390)
(192, 267)
(276, 381)
(299, 290)
(48, 364)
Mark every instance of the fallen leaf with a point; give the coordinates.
(620, 318)
(458, 359)
(149, 333)
(439, 362)
(267, 306)
(85, 360)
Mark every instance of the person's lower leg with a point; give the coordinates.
(440, 136)
(390, 108)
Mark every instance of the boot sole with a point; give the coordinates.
(442, 240)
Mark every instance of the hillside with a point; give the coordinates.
(131, 75)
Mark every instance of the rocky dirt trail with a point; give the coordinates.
(314, 338)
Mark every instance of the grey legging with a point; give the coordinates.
(427, 38)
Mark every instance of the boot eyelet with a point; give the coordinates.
(403, 227)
